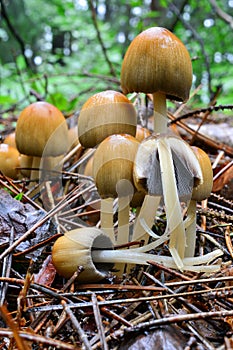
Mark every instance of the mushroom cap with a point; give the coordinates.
(10, 139)
(113, 165)
(74, 249)
(9, 161)
(142, 133)
(203, 188)
(105, 113)
(37, 124)
(157, 61)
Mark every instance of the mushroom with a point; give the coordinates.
(103, 114)
(201, 191)
(113, 175)
(41, 132)
(166, 167)
(25, 161)
(142, 133)
(92, 249)
(9, 161)
(10, 139)
(157, 62)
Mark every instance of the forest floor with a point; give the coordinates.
(152, 307)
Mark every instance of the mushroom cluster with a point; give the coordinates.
(162, 168)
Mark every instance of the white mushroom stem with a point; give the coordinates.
(123, 219)
(35, 173)
(147, 213)
(106, 217)
(160, 113)
(133, 257)
(190, 228)
(174, 215)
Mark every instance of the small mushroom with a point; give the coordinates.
(157, 62)
(10, 139)
(103, 114)
(9, 161)
(25, 161)
(113, 175)
(92, 249)
(41, 132)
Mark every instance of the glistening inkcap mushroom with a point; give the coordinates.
(157, 62)
(9, 161)
(91, 249)
(41, 131)
(167, 168)
(113, 163)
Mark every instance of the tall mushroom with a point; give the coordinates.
(157, 62)
(167, 168)
(113, 175)
(41, 132)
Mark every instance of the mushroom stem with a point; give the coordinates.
(160, 113)
(190, 228)
(130, 256)
(35, 173)
(106, 217)
(123, 219)
(147, 213)
(175, 222)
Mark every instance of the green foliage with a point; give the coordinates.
(68, 63)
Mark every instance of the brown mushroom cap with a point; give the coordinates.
(10, 140)
(157, 61)
(105, 113)
(142, 133)
(113, 161)
(37, 123)
(204, 187)
(74, 249)
(9, 161)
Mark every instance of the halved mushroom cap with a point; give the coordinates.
(37, 123)
(113, 162)
(105, 113)
(203, 188)
(146, 173)
(157, 61)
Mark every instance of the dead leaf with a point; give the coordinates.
(223, 179)
(46, 274)
(167, 337)
(21, 217)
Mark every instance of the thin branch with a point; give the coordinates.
(223, 15)
(14, 33)
(93, 14)
(199, 39)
